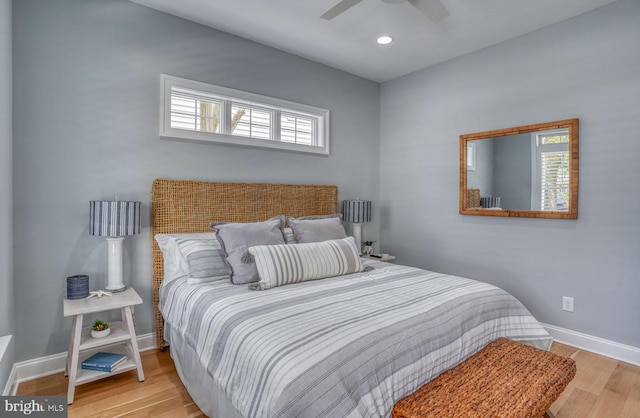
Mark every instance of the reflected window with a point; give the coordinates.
(550, 180)
(471, 156)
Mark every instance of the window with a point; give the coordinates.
(471, 156)
(550, 179)
(251, 121)
(297, 129)
(193, 110)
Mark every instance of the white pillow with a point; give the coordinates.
(278, 265)
(175, 263)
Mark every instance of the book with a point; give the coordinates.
(104, 362)
(102, 369)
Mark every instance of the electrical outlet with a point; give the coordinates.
(567, 304)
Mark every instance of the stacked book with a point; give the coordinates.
(104, 362)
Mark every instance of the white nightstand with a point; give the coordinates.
(81, 345)
(382, 257)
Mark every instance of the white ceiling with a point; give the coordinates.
(348, 42)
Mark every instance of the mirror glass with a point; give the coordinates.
(525, 171)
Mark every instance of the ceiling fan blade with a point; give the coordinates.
(433, 9)
(343, 6)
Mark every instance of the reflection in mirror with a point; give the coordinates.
(527, 171)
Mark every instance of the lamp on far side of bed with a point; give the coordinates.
(356, 212)
(114, 219)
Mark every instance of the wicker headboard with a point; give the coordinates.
(189, 206)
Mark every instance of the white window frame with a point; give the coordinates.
(321, 117)
(536, 163)
(471, 156)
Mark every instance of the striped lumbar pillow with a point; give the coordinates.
(292, 263)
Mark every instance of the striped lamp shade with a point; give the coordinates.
(114, 218)
(356, 211)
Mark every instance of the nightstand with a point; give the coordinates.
(381, 257)
(81, 345)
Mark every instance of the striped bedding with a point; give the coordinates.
(348, 346)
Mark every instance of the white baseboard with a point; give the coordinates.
(55, 363)
(12, 383)
(612, 349)
(4, 344)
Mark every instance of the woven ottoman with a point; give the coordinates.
(506, 379)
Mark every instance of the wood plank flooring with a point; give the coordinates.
(160, 395)
(602, 388)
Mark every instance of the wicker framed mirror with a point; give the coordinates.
(526, 171)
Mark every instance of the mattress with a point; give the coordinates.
(347, 346)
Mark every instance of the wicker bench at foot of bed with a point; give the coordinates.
(506, 379)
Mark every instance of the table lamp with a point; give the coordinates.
(356, 212)
(114, 219)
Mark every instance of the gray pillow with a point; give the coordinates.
(236, 238)
(310, 217)
(317, 229)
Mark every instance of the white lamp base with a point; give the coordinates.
(114, 278)
(356, 231)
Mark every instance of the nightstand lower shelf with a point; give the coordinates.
(86, 376)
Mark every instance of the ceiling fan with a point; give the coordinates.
(433, 9)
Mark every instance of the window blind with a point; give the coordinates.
(554, 180)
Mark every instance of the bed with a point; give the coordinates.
(349, 345)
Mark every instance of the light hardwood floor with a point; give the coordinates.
(602, 388)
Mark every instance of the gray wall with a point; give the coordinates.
(595, 259)
(6, 223)
(86, 127)
(512, 171)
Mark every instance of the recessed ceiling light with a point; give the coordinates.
(384, 40)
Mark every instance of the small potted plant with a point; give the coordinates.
(367, 247)
(100, 329)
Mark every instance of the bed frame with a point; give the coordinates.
(187, 206)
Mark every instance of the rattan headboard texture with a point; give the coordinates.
(189, 206)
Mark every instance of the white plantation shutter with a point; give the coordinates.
(554, 180)
(550, 188)
(254, 122)
(297, 128)
(193, 110)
